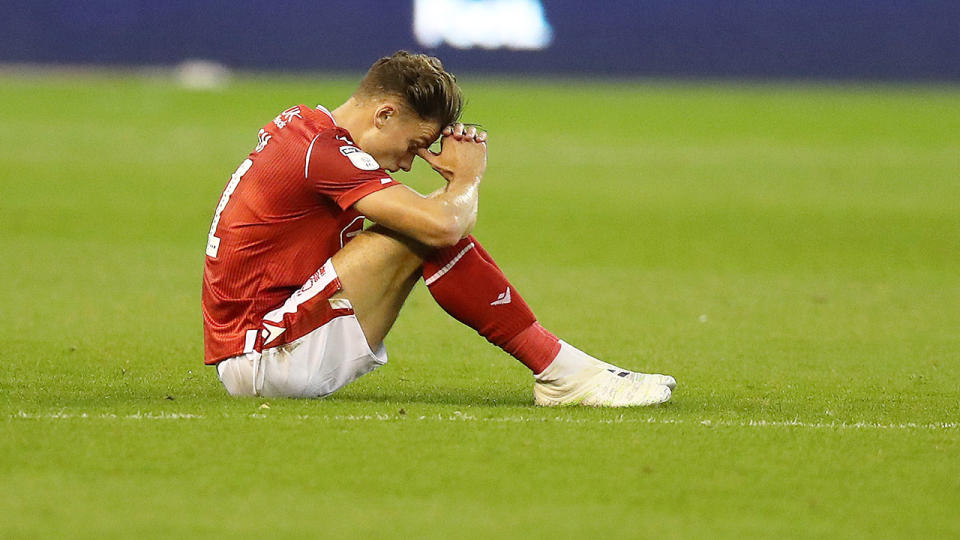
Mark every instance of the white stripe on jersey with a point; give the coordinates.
(306, 167)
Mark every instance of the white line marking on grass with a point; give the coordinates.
(458, 416)
(137, 416)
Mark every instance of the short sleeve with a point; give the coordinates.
(336, 168)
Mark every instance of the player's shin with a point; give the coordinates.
(466, 282)
(469, 286)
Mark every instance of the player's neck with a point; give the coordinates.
(349, 116)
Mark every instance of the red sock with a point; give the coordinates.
(468, 285)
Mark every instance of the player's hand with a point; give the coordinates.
(460, 131)
(463, 153)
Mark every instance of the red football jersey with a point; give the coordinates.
(285, 211)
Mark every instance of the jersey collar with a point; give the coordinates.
(325, 111)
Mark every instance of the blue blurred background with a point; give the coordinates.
(819, 39)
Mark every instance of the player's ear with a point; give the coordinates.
(384, 112)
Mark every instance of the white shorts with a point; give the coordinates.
(317, 363)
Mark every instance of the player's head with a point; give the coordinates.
(408, 98)
(420, 81)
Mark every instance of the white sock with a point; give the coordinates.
(570, 361)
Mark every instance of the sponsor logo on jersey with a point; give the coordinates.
(352, 229)
(359, 158)
(287, 116)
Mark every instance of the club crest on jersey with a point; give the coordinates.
(359, 158)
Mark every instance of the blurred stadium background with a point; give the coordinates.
(759, 197)
(853, 39)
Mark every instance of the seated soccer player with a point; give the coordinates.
(297, 297)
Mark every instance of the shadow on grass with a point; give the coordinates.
(482, 397)
(208, 396)
(491, 398)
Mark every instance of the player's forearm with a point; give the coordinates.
(461, 162)
(459, 203)
(440, 219)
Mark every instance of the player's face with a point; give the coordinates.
(399, 134)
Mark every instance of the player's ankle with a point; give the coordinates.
(535, 347)
(568, 362)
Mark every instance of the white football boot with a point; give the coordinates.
(643, 378)
(575, 378)
(597, 387)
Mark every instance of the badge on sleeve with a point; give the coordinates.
(359, 158)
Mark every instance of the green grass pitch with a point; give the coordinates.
(791, 253)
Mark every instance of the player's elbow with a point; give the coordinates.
(446, 232)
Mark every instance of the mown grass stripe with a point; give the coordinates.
(461, 417)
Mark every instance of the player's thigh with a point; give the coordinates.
(377, 271)
(314, 365)
(308, 346)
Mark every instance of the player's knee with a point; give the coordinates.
(236, 374)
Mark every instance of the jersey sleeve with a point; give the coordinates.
(337, 169)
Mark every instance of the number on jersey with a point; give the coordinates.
(213, 241)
